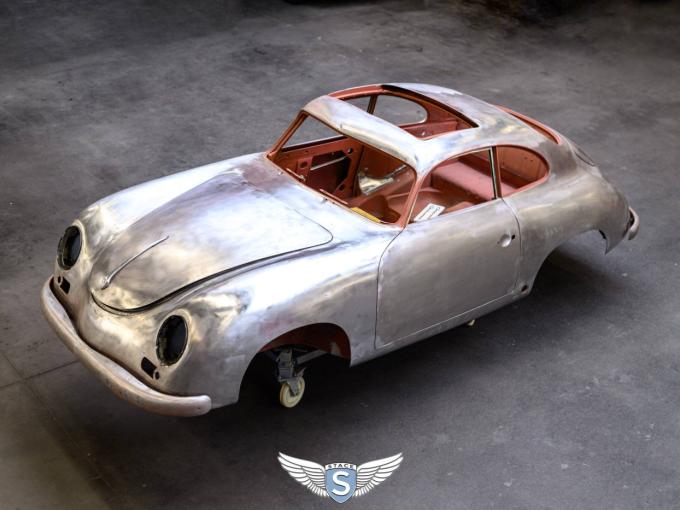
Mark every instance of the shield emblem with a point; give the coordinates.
(341, 482)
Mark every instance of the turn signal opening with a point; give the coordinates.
(148, 367)
(64, 285)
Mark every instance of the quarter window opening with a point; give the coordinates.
(519, 168)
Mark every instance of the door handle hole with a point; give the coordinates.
(505, 241)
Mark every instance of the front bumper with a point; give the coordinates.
(116, 378)
(634, 224)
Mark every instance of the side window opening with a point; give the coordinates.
(519, 168)
(455, 184)
(364, 179)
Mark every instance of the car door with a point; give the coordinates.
(437, 269)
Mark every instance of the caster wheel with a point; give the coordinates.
(471, 323)
(286, 397)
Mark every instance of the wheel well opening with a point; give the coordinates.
(327, 337)
(566, 252)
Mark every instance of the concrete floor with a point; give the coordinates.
(568, 399)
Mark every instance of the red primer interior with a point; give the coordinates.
(333, 165)
(519, 168)
(468, 180)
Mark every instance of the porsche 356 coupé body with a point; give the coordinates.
(383, 215)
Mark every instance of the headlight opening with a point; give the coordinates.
(69, 247)
(171, 340)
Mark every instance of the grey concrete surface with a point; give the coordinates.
(568, 399)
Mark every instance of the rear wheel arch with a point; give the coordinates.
(529, 285)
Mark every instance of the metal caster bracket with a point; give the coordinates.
(288, 368)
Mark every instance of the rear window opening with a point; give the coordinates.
(536, 126)
(399, 111)
(416, 115)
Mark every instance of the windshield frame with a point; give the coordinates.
(279, 147)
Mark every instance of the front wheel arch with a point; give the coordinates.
(325, 336)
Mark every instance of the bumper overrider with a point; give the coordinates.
(115, 377)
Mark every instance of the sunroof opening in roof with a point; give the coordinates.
(412, 113)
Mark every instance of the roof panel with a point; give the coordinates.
(356, 123)
(495, 126)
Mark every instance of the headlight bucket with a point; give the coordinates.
(171, 340)
(69, 247)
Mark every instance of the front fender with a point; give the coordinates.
(335, 284)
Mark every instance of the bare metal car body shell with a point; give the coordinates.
(245, 254)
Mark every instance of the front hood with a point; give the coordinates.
(220, 225)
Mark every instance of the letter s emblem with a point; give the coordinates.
(337, 478)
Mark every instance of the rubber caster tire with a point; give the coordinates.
(286, 397)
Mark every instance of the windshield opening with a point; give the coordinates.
(358, 176)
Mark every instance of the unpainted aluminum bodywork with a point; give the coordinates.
(245, 254)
